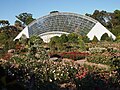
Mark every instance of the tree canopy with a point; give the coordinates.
(25, 18)
(110, 20)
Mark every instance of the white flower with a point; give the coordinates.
(57, 73)
(53, 71)
(55, 78)
(50, 80)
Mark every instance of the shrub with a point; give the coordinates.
(38, 74)
(74, 55)
(97, 50)
(99, 59)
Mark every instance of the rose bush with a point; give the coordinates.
(74, 55)
(38, 73)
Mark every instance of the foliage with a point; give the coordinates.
(117, 15)
(55, 39)
(98, 81)
(4, 23)
(95, 39)
(56, 43)
(38, 73)
(116, 64)
(73, 38)
(18, 25)
(3, 38)
(111, 20)
(33, 69)
(81, 44)
(100, 59)
(104, 36)
(74, 55)
(86, 39)
(25, 18)
(68, 42)
(7, 35)
(97, 50)
(63, 38)
(118, 38)
(35, 40)
(116, 30)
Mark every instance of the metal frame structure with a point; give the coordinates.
(65, 22)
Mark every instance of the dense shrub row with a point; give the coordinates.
(74, 55)
(100, 59)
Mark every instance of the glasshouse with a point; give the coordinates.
(58, 23)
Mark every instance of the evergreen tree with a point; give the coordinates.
(25, 18)
(105, 36)
(95, 39)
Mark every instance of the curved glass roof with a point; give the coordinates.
(62, 21)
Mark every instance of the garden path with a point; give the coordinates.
(84, 61)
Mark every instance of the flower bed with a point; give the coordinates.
(97, 50)
(37, 73)
(74, 55)
(100, 59)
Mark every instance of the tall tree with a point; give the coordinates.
(103, 17)
(25, 18)
(63, 38)
(104, 36)
(73, 38)
(117, 15)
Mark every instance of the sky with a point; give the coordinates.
(11, 8)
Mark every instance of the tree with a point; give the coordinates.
(118, 38)
(73, 38)
(117, 15)
(54, 12)
(25, 18)
(81, 44)
(3, 38)
(63, 38)
(88, 14)
(52, 45)
(103, 17)
(95, 39)
(104, 36)
(86, 39)
(18, 25)
(57, 42)
(11, 31)
(56, 39)
(35, 40)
